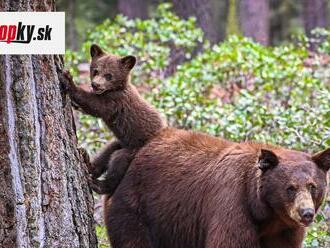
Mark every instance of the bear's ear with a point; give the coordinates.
(267, 160)
(96, 51)
(128, 62)
(322, 159)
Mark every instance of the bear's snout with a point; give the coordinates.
(303, 210)
(307, 215)
(95, 85)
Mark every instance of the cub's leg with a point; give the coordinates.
(117, 167)
(124, 226)
(101, 159)
(89, 102)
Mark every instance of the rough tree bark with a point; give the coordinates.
(133, 8)
(255, 20)
(203, 11)
(45, 200)
(314, 14)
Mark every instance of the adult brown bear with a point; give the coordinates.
(186, 190)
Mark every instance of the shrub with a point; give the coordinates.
(277, 99)
(156, 42)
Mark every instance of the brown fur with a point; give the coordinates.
(114, 99)
(186, 189)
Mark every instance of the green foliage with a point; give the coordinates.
(151, 40)
(101, 233)
(237, 89)
(317, 235)
(92, 133)
(320, 39)
(278, 99)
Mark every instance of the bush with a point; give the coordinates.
(156, 42)
(237, 89)
(277, 99)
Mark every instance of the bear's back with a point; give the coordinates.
(136, 121)
(180, 178)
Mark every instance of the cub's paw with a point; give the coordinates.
(84, 154)
(96, 185)
(66, 80)
(67, 75)
(92, 170)
(76, 106)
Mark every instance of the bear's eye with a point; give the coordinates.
(108, 76)
(95, 72)
(291, 190)
(311, 187)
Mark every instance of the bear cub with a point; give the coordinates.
(114, 99)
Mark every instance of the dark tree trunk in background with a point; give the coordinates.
(71, 26)
(278, 21)
(255, 20)
(45, 200)
(133, 8)
(232, 19)
(203, 11)
(314, 14)
(220, 9)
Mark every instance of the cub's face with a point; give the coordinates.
(109, 72)
(294, 184)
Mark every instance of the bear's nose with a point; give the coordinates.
(95, 85)
(307, 215)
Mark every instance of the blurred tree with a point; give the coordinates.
(83, 15)
(232, 23)
(72, 41)
(45, 200)
(220, 9)
(285, 19)
(203, 11)
(134, 8)
(267, 21)
(314, 14)
(70, 8)
(255, 20)
(290, 17)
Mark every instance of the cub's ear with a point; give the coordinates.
(128, 62)
(267, 160)
(322, 159)
(96, 51)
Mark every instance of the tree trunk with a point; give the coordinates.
(203, 11)
(220, 10)
(314, 14)
(232, 22)
(45, 200)
(71, 26)
(133, 8)
(255, 20)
